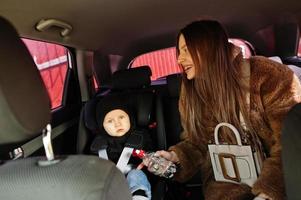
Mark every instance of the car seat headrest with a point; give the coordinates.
(133, 78)
(174, 84)
(24, 101)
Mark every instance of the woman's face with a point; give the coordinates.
(184, 59)
(116, 123)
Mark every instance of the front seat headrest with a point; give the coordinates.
(133, 78)
(24, 101)
(174, 84)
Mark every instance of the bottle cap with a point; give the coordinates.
(138, 153)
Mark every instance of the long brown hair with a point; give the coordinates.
(215, 94)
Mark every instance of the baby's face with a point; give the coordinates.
(116, 123)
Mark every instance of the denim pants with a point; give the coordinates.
(137, 180)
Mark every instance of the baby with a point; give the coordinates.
(117, 131)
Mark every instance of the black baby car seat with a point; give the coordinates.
(130, 87)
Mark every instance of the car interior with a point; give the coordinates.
(59, 59)
(66, 177)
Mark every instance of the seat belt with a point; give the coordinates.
(33, 145)
(102, 153)
(134, 142)
(123, 160)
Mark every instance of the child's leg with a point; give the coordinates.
(139, 184)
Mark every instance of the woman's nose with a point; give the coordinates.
(180, 59)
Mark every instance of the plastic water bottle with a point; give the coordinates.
(156, 164)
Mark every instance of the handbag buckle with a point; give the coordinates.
(221, 157)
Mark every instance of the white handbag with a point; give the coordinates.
(234, 163)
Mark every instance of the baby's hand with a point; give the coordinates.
(140, 166)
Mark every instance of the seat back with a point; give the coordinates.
(191, 188)
(294, 63)
(171, 109)
(24, 112)
(291, 148)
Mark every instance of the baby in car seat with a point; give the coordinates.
(117, 137)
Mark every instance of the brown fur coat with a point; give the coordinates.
(274, 89)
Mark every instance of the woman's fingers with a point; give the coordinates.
(165, 154)
(263, 196)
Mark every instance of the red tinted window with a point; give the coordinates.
(245, 49)
(299, 49)
(51, 60)
(163, 62)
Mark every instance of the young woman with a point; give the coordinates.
(214, 90)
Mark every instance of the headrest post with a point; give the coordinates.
(47, 143)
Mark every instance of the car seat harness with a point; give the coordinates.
(134, 141)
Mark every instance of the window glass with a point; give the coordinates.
(96, 86)
(299, 48)
(52, 61)
(245, 47)
(163, 62)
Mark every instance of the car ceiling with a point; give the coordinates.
(135, 26)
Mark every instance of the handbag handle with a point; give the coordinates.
(236, 133)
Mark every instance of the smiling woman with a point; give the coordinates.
(220, 86)
(185, 59)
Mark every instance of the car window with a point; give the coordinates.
(163, 62)
(52, 61)
(246, 48)
(299, 48)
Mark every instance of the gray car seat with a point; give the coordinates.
(24, 112)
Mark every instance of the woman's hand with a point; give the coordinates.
(262, 196)
(168, 155)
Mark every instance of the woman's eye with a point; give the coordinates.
(110, 121)
(121, 117)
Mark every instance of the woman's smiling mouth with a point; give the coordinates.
(186, 69)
